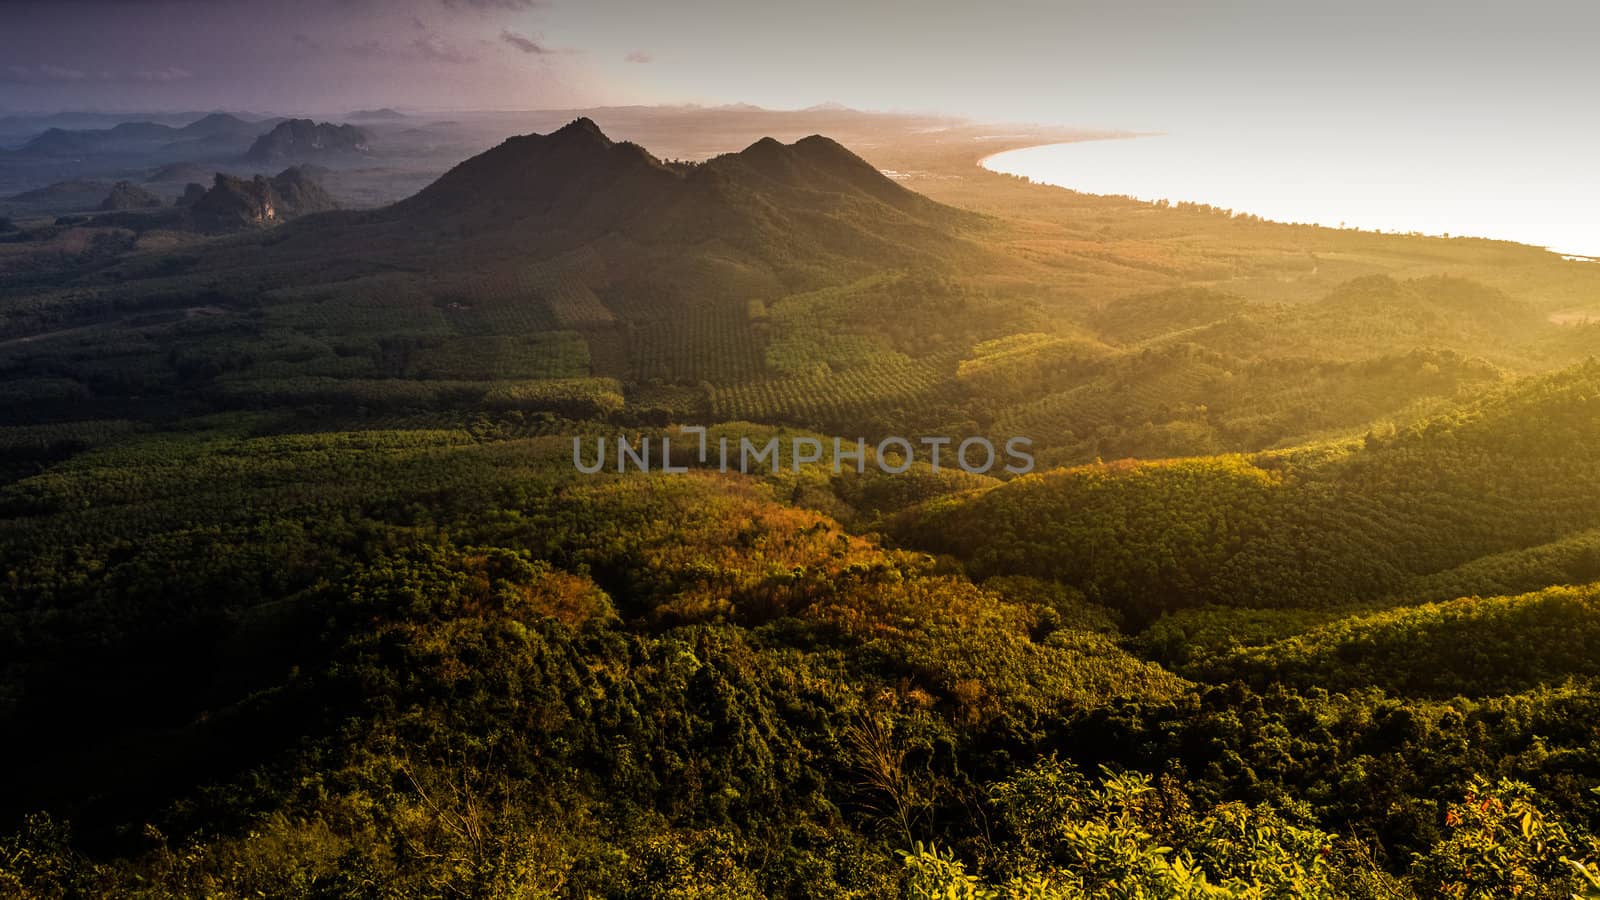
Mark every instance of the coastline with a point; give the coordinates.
(1565, 251)
(983, 160)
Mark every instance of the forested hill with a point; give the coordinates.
(1351, 523)
(579, 180)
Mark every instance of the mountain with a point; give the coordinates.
(770, 216)
(78, 190)
(89, 121)
(609, 235)
(126, 195)
(217, 136)
(384, 114)
(219, 125)
(304, 139)
(575, 232)
(208, 134)
(299, 192)
(234, 203)
(62, 142)
(139, 131)
(565, 178)
(583, 179)
(127, 136)
(21, 128)
(602, 236)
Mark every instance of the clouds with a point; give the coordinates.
(422, 7)
(532, 46)
(523, 43)
(165, 74)
(44, 73)
(434, 48)
(50, 73)
(493, 5)
(1156, 64)
(293, 55)
(429, 47)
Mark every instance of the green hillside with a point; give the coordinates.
(1471, 646)
(1356, 522)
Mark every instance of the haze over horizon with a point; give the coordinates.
(1142, 65)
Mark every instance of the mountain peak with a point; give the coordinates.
(216, 118)
(818, 163)
(584, 127)
(771, 158)
(827, 150)
(537, 174)
(815, 150)
(386, 113)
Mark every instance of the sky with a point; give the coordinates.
(1465, 66)
(1482, 106)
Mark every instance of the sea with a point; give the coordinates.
(1532, 194)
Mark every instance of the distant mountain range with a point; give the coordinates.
(377, 115)
(19, 127)
(215, 137)
(209, 134)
